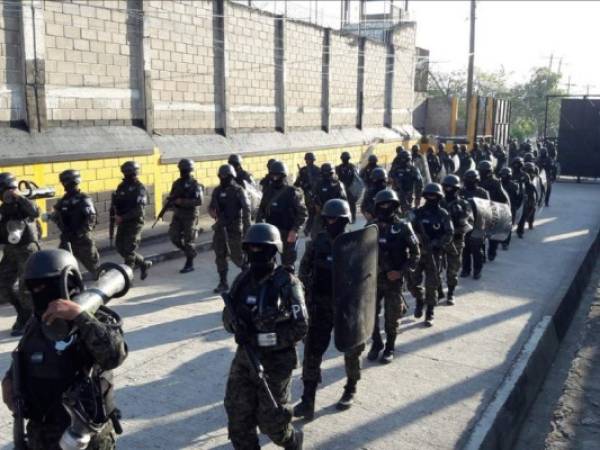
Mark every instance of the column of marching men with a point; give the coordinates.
(425, 234)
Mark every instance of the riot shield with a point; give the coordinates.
(543, 186)
(254, 196)
(356, 188)
(464, 165)
(354, 286)
(420, 163)
(492, 219)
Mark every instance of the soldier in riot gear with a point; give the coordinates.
(477, 153)
(268, 317)
(283, 206)
(241, 176)
(379, 181)
(529, 157)
(435, 231)
(55, 377)
(466, 162)
(19, 234)
(328, 187)
(516, 165)
(461, 214)
(398, 256)
(549, 166)
(75, 216)
(316, 273)
(530, 198)
(515, 193)
(500, 156)
(497, 194)
(307, 180)
(406, 181)
(185, 197)
(434, 164)
(346, 172)
(265, 182)
(230, 208)
(473, 251)
(365, 172)
(128, 203)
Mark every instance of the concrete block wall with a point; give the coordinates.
(403, 93)
(304, 66)
(250, 69)
(12, 79)
(182, 71)
(343, 75)
(374, 84)
(92, 59)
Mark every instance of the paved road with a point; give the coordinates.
(171, 387)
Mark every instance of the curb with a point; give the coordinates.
(500, 423)
(176, 253)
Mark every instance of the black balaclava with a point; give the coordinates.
(450, 192)
(42, 293)
(262, 262)
(431, 201)
(334, 229)
(225, 181)
(277, 181)
(385, 211)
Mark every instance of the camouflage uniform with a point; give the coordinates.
(462, 216)
(129, 202)
(408, 184)
(346, 173)
(183, 227)
(284, 207)
(75, 216)
(307, 179)
(15, 255)
(246, 402)
(100, 343)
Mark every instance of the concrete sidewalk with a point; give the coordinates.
(171, 387)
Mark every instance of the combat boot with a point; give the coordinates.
(306, 407)
(297, 441)
(222, 286)
(189, 266)
(477, 275)
(376, 347)
(347, 398)
(450, 296)
(388, 352)
(419, 309)
(441, 294)
(144, 269)
(429, 316)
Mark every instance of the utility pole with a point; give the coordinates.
(471, 65)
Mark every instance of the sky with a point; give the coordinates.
(516, 35)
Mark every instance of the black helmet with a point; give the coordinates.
(433, 189)
(185, 165)
(528, 157)
(385, 196)
(263, 234)
(70, 177)
(345, 156)
(404, 156)
(451, 181)
(441, 147)
(463, 147)
(336, 207)
(517, 162)
(530, 167)
(278, 168)
(471, 175)
(327, 169)
(414, 148)
(130, 168)
(378, 174)
(234, 160)
(505, 172)
(270, 161)
(310, 156)
(48, 264)
(7, 181)
(372, 159)
(484, 167)
(226, 170)
(455, 148)
(399, 150)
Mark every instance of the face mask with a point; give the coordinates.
(381, 184)
(432, 201)
(327, 176)
(336, 228)
(70, 187)
(262, 262)
(469, 184)
(185, 173)
(450, 193)
(225, 181)
(385, 212)
(277, 181)
(42, 294)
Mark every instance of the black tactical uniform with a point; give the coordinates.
(241, 176)
(530, 198)
(346, 172)
(270, 319)
(497, 194)
(435, 231)
(19, 234)
(307, 179)
(327, 188)
(466, 162)
(473, 247)
(283, 206)
(185, 197)
(461, 214)
(230, 208)
(128, 204)
(398, 255)
(500, 156)
(316, 273)
(378, 183)
(265, 182)
(365, 172)
(434, 164)
(76, 371)
(75, 216)
(406, 181)
(549, 165)
(515, 193)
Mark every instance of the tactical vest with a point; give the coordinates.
(12, 212)
(128, 196)
(431, 219)
(280, 208)
(75, 212)
(393, 245)
(460, 213)
(322, 265)
(228, 203)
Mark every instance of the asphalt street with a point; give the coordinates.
(171, 387)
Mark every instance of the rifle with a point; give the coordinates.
(163, 211)
(19, 419)
(257, 367)
(111, 221)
